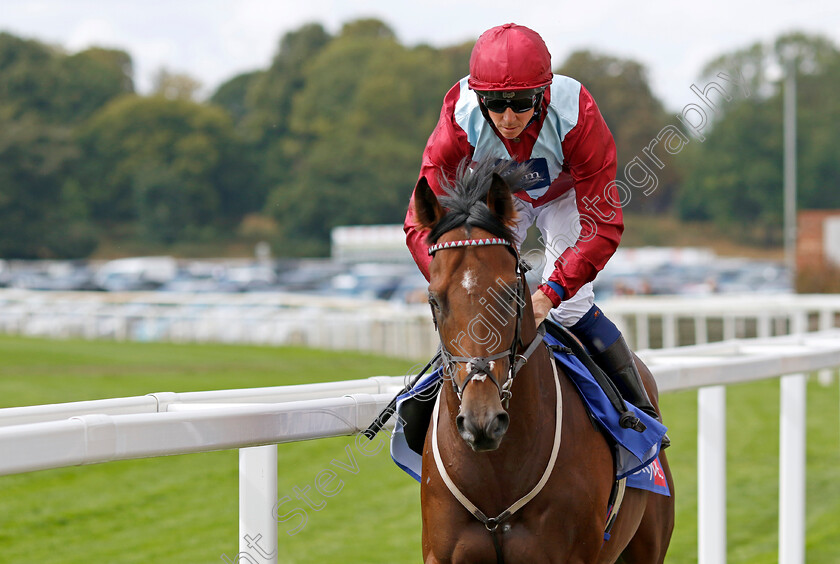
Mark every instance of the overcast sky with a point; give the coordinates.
(214, 40)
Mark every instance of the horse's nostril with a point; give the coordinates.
(465, 429)
(459, 423)
(498, 426)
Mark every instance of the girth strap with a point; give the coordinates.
(616, 499)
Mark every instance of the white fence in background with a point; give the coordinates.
(249, 318)
(381, 327)
(256, 420)
(681, 320)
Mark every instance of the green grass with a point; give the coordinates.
(753, 473)
(183, 509)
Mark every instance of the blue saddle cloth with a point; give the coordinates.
(634, 451)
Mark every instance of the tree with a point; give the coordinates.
(268, 101)
(44, 82)
(174, 86)
(40, 215)
(759, 65)
(818, 116)
(735, 176)
(359, 126)
(634, 115)
(44, 93)
(90, 79)
(232, 95)
(165, 164)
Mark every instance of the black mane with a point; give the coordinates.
(466, 199)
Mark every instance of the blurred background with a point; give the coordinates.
(120, 138)
(205, 172)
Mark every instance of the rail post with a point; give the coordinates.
(792, 470)
(711, 475)
(257, 497)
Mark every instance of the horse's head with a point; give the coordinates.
(477, 292)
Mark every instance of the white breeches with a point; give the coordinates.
(559, 225)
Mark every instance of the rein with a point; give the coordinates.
(481, 367)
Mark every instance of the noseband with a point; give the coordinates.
(481, 367)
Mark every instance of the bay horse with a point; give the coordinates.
(529, 481)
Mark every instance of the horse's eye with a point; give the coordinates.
(509, 292)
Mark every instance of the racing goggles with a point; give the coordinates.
(519, 104)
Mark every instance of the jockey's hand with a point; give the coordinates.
(542, 305)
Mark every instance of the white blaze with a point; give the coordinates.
(469, 281)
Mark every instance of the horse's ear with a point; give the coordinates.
(427, 209)
(500, 200)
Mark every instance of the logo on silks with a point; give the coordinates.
(537, 177)
(650, 478)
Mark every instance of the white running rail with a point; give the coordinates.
(397, 330)
(256, 420)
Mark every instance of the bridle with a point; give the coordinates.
(481, 367)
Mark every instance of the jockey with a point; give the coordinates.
(511, 106)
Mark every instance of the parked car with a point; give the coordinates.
(755, 277)
(136, 273)
(51, 275)
(4, 273)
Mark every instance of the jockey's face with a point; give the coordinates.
(509, 123)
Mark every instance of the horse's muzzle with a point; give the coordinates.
(483, 433)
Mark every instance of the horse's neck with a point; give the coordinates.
(533, 393)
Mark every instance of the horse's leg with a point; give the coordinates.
(642, 532)
(428, 556)
(653, 536)
(649, 544)
(629, 516)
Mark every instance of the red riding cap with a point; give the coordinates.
(510, 57)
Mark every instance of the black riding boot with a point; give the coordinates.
(617, 361)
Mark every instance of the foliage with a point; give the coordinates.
(268, 102)
(174, 86)
(231, 95)
(332, 132)
(163, 163)
(621, 89)
(735, 178)
(41, 214)
(37, 80)
(361, 121)
(44, 94)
